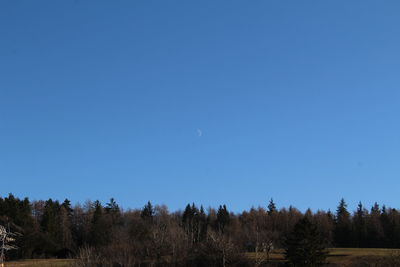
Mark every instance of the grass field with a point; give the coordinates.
(342, 256)
(339, 255)
(39, 263)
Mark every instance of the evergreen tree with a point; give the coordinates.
(223, 218)
(187, 216)
(393, 228)
(203, 224)
(304, 246)
(385, 222)
(194, 221)
(374, 227)
(147, 211)
(342, 231)
(188, 221)
(99, 229)
(50, 225)
(360, 230)
(271, 207)
(65, 231)
(113, 211)
(67, 206)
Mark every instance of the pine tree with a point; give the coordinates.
(271, 207)
(342, 231)
(67, 206)
(223, 218)
(113, 211)
(304, 246)
(50, 225)
(360, 226)
(65, 221)
(203, 224)
(385, 222)
(99, 230)
(187, 216)
(147, 211)
(188, 221)
(374, 227)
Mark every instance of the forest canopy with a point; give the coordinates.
(54, 229)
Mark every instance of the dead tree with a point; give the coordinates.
(6, 240)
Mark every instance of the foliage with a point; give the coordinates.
(153, 235)
(304, 246)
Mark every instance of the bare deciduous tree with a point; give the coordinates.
(7, 239)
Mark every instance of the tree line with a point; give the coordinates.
(194, 236)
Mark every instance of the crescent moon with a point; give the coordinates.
(199, 133)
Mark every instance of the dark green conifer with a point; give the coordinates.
(223, 218)
(271, 207)
(304, 246)
(147, 211)
(342, 232)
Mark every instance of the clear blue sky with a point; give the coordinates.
(209, 102)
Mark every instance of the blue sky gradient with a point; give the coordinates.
(295, 100)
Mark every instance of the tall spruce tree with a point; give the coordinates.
(271, 207)
(305, 246)
(359, 222)
(374, 227)
(342, 231)
(113, 211)
(147, 211)
(223, 218)
(99, 229)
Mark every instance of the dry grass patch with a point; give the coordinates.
(336, 255)
(40, 263)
